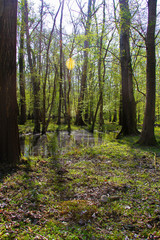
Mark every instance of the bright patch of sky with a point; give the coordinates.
(70, 9)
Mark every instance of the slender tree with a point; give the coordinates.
(79, 118)
(61, 67)
(44, 129)
(9, 137)
(101, 83)
(33, 71)
(129, 126)
(22, 119)
(147, 134)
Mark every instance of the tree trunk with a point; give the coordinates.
(101, 83)
(53, 97)
(34, 79)
(61, 68)
(46, 73)
(120, 109)
(115, 116)
(65, 93)
(68, 99)
(147, 134)
(79, 118)
(129, 125)
(95, 115)
(22, 118)
(9, 137)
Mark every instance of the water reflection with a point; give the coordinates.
(48, 145)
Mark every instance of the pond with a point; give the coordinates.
(47, 145)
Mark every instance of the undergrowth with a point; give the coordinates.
(59, 197)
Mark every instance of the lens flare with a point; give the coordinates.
(70, 63)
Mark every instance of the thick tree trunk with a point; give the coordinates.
(129, 126)
(9, 137)
(147, 134)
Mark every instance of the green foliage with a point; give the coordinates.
(27, 128)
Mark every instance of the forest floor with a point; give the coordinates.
(110, 191)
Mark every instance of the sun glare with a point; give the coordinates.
(70, 63)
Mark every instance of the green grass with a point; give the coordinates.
(37, 203)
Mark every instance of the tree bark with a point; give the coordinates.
(9, 137)
(147, 134)
(129, 125)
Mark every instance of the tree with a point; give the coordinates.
(34, 79)
(79, 119)
(22, 119)
(129, 126)
(147, 134)
(61, 67)
(44, 126)
(9, 137)
(101, 83)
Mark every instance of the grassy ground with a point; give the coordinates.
(61, 197)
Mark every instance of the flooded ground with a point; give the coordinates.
(47, 145)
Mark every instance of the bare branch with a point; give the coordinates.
(138, 86)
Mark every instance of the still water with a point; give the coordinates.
(47, 145)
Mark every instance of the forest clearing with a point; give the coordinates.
(110, 190)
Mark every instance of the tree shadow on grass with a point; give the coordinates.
(6, 171)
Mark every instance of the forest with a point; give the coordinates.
(79, 119)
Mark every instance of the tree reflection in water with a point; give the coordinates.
(53, 143)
